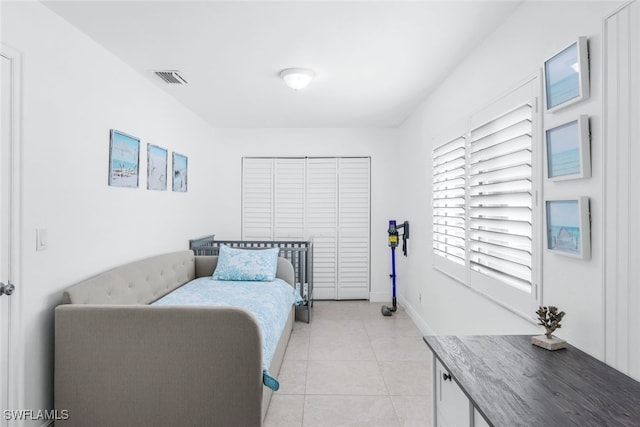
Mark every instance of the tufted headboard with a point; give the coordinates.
(144, 281)
(139, 282)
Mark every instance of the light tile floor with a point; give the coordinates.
(353, 367)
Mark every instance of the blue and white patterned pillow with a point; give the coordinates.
(246, 264)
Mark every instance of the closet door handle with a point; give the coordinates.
(6, 289)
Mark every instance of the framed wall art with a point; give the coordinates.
(124, 159)
(156, 168)
(568, 150)
(568, 227)
(179, 173)
(566, 76)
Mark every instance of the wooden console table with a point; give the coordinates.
(507, 381)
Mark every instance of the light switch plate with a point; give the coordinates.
(42, 240)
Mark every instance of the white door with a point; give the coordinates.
(5, 234)
(353, 227)
(289, 190)
(322, 224)
(257, 199)
(324, 199)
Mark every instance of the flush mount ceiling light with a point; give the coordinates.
(297, 78)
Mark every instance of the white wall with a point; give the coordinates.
(517, 49)
(380, 144)
(73, 93)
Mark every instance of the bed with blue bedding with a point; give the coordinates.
(119, 360)
(269, 301)
(265, 297)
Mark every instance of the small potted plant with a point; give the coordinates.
(550, 318)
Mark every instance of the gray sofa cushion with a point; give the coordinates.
(139, 282)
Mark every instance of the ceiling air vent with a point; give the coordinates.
(171, 76)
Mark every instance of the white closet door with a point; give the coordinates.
(289, 209)
(322, 224)
(257, 199)
(621, 204)
(353, 228)
(324, 199)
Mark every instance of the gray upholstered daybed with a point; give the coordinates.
(122, 362)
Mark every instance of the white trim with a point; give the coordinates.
(615, 12)
(527, 91)
(609, 353)
(451, 276)
(618, 315)
(525, 316)
(417, 319)
(16, 370)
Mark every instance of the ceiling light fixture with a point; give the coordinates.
(297, 78)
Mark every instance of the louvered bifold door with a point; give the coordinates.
(322, 224)
(449, 211)
(257, 199)
(353, 228)
(289, 200)
(500, 198)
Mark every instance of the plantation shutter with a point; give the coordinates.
(449, 200)
(353, 227)
(500, 198)
(289, 191)
(257, 199)
(322, 224)
(324, 199)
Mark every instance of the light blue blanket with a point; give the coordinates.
(269, 302)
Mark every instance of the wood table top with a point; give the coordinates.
(514, 383)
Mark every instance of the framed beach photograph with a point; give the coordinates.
(568, 227)
(179, 173)
(569, 150)
(156, 168)
(124, 159)
(566, 76)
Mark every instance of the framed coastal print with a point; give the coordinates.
(156, 168)
(568, 227)
(124, 159)
(179, 173)
(566, 76)
(569, 150)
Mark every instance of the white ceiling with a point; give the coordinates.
(375, 61)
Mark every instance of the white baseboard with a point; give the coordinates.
(417, 319)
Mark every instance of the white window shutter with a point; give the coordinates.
(257, 199)
(289, 190)
(449, 206)
(500, 198)
(353, 228)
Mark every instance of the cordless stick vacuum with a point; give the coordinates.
(393, 243)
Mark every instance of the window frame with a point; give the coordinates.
(515, 300)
